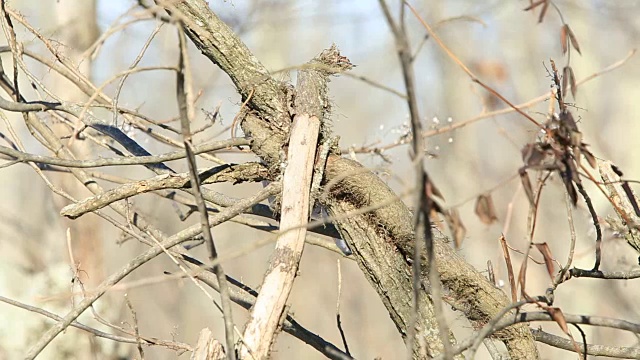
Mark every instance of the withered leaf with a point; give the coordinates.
(543, 12)
(430, 188)
(564, 40)
(577, 151)
(590, 158)
(548, 258)
(492, 275)
(572, 82)
(632, 198)
(576, 143)
(485, 210)
(567, 118)
(568, 183)
(532, 155)
(573, 39)
(616, 170)
(569, 79)
(458, 231)
(573, 194)
(558, 317)
(507, 259)
(522, 278)
(526, 184)
(576, 138)
(565, 79)
(533, 5)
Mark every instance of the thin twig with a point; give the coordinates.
(133, 66)
(185, 105)
(618, 275)
(141, 259)
(531, 227)
(596, 224)
(134, 318)
(572, 245)
(123, 339)
(121, 161)
(338, 320)
(593, 350)
(473, 77)
(422, 206)
(525, 317)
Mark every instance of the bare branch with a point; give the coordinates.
(184, 90)
(120, 161)
(218, 42)
(147, 341)
(234, 173)
(594, 350)
(525, 317)
(170, 242)
(598, 274)
(421, 203)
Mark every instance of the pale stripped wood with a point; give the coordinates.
(208, 348)
(278, 281)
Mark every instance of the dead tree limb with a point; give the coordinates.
(382, 240)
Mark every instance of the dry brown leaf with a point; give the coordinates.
(564, 40)
(631, 197)
(528, 189)
(568, 183)
(485, 210)
(567, 118)
(491, 273)
(431, 189)
(576, 143)
(533, 5)
(458, 231)
(573, 82)
(565, 79)
(532, 155)
(569, 79)
(590, 158)
(548, 258)
(573, 39)
(507, 259)
(558, 317)
(543, 12)
(522, 278)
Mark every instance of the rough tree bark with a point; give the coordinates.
(381, 238)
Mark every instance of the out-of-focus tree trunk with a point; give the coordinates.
(74, 24)
(76, 28)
